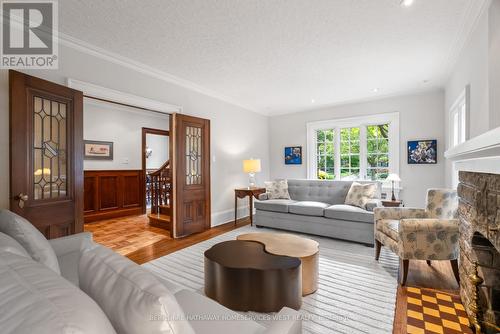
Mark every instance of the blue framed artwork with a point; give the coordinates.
(422, 152)
(293, 155)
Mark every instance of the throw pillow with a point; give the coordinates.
(30, 238)
(277, 189)
(359, 194)
(131, 296)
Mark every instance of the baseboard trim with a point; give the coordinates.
(227, 216)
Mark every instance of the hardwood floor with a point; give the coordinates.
(127, 234)
(438, 276)
(134, 238)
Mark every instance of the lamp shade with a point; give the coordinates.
(393, 177)
(251, 166)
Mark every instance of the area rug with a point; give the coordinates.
(431, 311)
(356, 294)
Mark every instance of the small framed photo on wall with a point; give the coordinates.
(422, 152)
(293, 155)
(98, 150)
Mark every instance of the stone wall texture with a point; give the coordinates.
(479, 211)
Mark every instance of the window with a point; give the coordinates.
(377, 151)
(349, 153)
(355, 148)
(458, 119)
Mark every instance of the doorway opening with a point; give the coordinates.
(157, 176)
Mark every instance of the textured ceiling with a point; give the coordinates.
(277, 55)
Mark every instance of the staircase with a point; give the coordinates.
(161, 190)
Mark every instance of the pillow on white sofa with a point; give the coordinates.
(277, 189)
(132, 298)
(360, 194)
(7, 244)
(34, 299)
(30, 238)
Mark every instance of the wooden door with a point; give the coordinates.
(46, 154)
(190, 144)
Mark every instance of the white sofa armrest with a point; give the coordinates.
(287, 321)
(71, 243)
(68, 250)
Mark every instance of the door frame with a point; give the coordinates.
(145, 131)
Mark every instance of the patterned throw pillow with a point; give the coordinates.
(277, 189)
(360, 194)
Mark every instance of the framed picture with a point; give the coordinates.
(422, 152)
(293, 155)
(98, 150)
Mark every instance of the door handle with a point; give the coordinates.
(21, 198)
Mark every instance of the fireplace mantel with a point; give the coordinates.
(479, 154)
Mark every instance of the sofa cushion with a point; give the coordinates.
(34, 299)
(131, 296)
(8, 244)
(277, 189)
(349, 212)
(30, 238)
(308, 208)
(389, 227)
(221, 319)
(359, 194)
(275, 205)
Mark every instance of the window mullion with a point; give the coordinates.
(336, 163)
(362, 152)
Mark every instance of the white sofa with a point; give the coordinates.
(40, 295)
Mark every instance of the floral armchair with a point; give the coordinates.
(421, 234)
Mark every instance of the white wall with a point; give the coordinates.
(421, 117)
(236, 133)
(122, 126)
(159, 146)
(494, 63)
(478, 65)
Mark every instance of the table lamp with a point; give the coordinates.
(251, 166)
(393, 178)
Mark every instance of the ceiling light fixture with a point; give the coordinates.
(313, 100)
(375, 90)
(407, 3)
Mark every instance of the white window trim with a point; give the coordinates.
(391, 118)
(464, 97)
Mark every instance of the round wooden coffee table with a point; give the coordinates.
(306, 250)
(242, 276)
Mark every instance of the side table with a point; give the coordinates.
(242, 193)
(392, 204)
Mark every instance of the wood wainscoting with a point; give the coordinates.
(113, 193)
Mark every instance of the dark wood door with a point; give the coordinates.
(46, 154)
(191, 161)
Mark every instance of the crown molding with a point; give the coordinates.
(93, 50)
(469, 24)
(100, 92)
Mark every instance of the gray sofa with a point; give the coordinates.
(317, 207)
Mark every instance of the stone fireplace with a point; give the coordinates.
(479, 211)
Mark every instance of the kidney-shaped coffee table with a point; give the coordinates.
(242, 276)
(306, 250)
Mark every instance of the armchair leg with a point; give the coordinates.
(378, 247)
(454, 266)
(428, 262)
(403, 266)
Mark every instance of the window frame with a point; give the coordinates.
(462, 116)
(362, 122)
